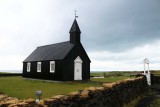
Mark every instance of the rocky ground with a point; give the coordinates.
(6, 101)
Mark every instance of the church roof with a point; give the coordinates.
(50, 52)
(75, 27)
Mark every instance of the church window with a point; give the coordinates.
(28, 67)
(39, 67)
(52, 66)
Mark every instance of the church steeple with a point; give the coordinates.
(75, 33)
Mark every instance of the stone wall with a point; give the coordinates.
(6, 101)
(155, 79)
(108, 95)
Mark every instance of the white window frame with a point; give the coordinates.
(39, 66)
(51, 64)
(28, 67)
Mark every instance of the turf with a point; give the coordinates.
(24, 89)
(16, 86)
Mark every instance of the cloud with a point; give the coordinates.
(126, 60)
(122, 30)
(11, 62)
(125, 25)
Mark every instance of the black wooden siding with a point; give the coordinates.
(45, 71)
(64, 69)
(68, 63)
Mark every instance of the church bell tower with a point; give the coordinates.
(75, 33)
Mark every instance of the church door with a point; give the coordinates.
(78, 69)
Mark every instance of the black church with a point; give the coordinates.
(65, 61)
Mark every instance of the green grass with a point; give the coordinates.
(4, 73)
(21, 88)
(155, 103)
(155, 72)
(97, 73)
(112, 74)
(110, 79)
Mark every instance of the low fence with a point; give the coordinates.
(108, 95)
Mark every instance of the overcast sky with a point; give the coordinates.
(117, 34)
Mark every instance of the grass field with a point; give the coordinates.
(21, 88)
(157, 72)
(16, 86)
(110, 79)
(4, 73)
(110, 76)
(113, 74)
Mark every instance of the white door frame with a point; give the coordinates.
(78, 68)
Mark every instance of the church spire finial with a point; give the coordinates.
(75, 14)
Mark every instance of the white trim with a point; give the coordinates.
(38, 66)
(28, 67)
(52, 66)
(78, 68)
(78, 59)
